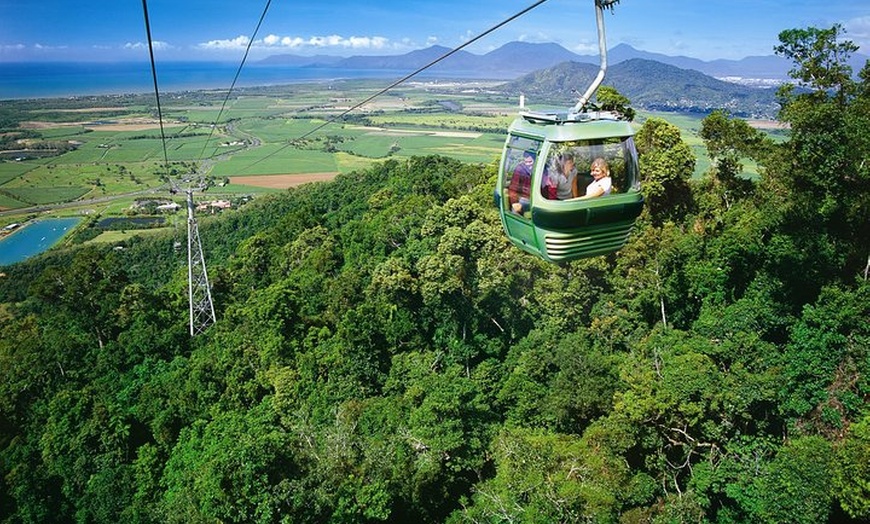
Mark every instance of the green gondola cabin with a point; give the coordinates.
(568, 226)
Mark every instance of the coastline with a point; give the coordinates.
(36, 80)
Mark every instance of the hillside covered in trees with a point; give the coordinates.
(382, 354)
(650, 85)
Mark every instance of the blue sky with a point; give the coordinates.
(220, 29)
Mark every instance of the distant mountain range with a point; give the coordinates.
(551, 73)
(522, 57)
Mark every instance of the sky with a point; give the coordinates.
(114, 30)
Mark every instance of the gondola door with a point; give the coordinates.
(521, 161)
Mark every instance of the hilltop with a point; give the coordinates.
(649, 85)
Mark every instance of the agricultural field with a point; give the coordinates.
(100, 155)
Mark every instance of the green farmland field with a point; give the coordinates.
(12, 170)
(114, 152)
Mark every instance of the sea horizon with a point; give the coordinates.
(31, 80)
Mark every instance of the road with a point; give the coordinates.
(79, 203)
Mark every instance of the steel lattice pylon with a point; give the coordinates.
(199, 292)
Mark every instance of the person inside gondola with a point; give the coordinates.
(521, 182)
(561, 184)
(601, 182)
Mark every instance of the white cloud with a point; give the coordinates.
(586, 48)
(41, 47)
(237, 43)
(858, 31)
(156, 45)
(545, 37)
(365, 42)
(326, 41)
(273, 42)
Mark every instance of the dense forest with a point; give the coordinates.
(382, 353)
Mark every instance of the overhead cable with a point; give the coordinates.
(406, 77)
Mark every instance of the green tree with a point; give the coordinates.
(612, 100)
(819, 57)
(238, 467)
(666, 165)
(852, 470)
(728, 141)
(796, 486)
(449, 428)
(88, 291)
(558, 382)
(548, 477)
(826, 361)
(820, 180)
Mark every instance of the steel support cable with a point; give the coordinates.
(235, 79)
(156, 90)
(405, 78)
(201, 306)
(229, 92)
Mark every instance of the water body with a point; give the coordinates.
(20, 80)
(34, 238)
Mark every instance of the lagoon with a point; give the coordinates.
(34, 238)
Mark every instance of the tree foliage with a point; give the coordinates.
(383, 355)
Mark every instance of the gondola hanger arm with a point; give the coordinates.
(600, 6)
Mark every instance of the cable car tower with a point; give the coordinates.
(198, 289)
(201, 306)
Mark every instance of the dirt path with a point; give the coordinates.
(281, 181)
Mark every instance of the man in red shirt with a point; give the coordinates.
(521, 182)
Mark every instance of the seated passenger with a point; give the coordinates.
(561, 183)
(601, 182)
(521, 182)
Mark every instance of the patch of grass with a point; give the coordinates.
(12, 170)
(493, 123)
(8, 202)
(347, 163)
(274, 159)
(47, 195)
(239, 189)
(67, 132)
(100, 178)
(117, 237)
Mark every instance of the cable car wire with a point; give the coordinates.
(405, 78)
(156, 89)
(226, 98)
(235, 79)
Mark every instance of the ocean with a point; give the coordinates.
(22, 80)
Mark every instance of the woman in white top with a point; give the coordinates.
(601, 182)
